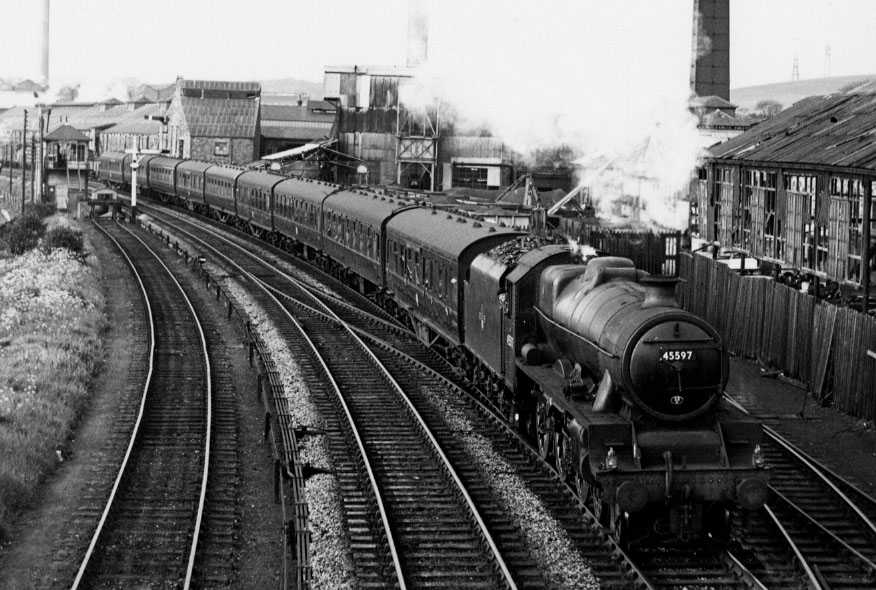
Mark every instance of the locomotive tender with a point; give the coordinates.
(594, 359)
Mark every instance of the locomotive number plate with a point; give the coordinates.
(677, 355)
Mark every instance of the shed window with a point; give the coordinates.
(220, 147)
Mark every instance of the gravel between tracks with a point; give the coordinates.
(550, 545)
(332, 565)
(329, 550)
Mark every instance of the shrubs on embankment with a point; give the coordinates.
(51, 316)
(25, 231)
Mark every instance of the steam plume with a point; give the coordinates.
(609, 79)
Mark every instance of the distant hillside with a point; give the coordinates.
(787, 93)
(292, 86)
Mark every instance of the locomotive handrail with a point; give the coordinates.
(595, 345)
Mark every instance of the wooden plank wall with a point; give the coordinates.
(820, 344)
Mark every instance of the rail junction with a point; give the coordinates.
(353, 346)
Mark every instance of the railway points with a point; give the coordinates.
(731, 567)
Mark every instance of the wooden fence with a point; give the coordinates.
(823, 345)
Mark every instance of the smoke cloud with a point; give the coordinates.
(609, 79)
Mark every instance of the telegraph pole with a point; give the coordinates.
(32, 164)
(23, 159)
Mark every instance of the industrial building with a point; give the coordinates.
(289, 122)
(797, 190)
(215, 121)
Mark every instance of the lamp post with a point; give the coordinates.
(135, 163)
(23, 160)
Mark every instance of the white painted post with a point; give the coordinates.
(135, 163)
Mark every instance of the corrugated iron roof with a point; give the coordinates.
(221, 85)
(220, 117)
(66, 133)
(291, 112)
(136, 122)
(835, 130)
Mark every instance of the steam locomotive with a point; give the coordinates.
(592, 358)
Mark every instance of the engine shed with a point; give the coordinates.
(797, 190)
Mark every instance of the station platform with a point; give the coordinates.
(845, 444)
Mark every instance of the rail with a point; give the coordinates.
(814, 583)
(484, 532)
(815, 467)
(285, 452)
(190, 562)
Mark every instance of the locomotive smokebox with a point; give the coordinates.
(623, 324)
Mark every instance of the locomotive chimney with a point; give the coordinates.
(659, 291)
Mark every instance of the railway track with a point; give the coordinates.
(391, 344)
(148, 532)
(823, 529)
(412, 519)
(801, 539)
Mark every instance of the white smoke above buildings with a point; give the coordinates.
(610, 79)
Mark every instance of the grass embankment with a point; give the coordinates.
(51, 317)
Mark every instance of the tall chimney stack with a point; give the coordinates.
(45, 44)
(418, 33)
(710, 59)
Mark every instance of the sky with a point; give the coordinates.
(609, 78)
(263, 39)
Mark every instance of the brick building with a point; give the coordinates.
(215, 121)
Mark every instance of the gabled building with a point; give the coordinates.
(215, 121)
(144, 127)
